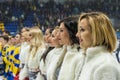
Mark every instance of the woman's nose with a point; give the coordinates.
(57, 35)
(76, 34)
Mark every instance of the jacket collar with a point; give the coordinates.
(92, 52)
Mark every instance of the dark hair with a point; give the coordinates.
(48, 49)
(46, 53)
(5, 31)
(6, 38)
(50, 30)
(71, 25)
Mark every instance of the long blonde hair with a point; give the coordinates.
(102, 29)
(37, 40)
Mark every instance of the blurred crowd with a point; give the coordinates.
(47, 14)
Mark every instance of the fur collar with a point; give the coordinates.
(95, 51)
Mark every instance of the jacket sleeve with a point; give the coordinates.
(24, 73)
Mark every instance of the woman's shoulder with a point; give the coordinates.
(107, 72)
(108, 61)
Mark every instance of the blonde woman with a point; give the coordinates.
(98, 40)
(37, 47)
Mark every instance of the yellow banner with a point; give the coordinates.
(2, 26)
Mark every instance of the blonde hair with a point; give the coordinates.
(25, 29)
(37, 40)
(56, 27)
(101, 28)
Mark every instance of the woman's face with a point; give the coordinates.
(84, 34)
(47, 35)
(3, 42)
(54, 39)
(17, 38)
(12, 40)
(22, 39)
(63, 35)
(1, 39)
(29, 36)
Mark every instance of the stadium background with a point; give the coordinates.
(16, 14)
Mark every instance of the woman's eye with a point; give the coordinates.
(30, 35)
(46, 34)
(53, 36)
(82, 29)
(61, 30)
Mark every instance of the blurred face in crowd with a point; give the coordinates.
(3, 41)
(9, 42)
(5, 34)
(0, 39)
(17, 38)
(63, 35)
(22, 39)
(25, 36)
(84, 34)
(54, 38)
(29, 36)
(13, 41)
(47, 35)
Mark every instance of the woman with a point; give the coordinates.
(24, 50)
(66, 34)
(37, 47)
(24, 46)
(47, 36)
(98, 40)
(44, 59)
(55, 54)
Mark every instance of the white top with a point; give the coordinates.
(43, 66)
(24, 52)
(70, 64)
(53, 61)
(31, 63)
(99, 64)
